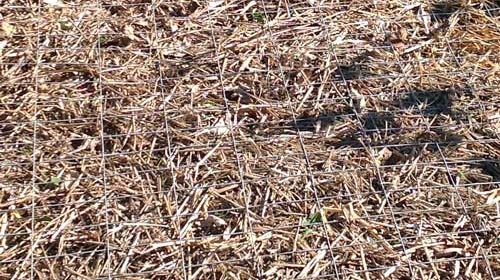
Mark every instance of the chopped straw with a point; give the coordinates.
(249, 139)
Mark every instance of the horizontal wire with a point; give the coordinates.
(187, 216)
(145, 223)
(227, 144)
(231, 73)
(319, 49)
(360, 244)
(347, 267)
(202, 188)
(196, 148)
(267, 104)
(342, 273)
(372, 217)
(111, 66)
(286, 136)
(296, 7)
(453, 74)
(307, 122)
(269, 6)
(327, 101)
(276, 104)
(334, 9)
(228, 261)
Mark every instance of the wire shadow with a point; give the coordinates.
(430, 103)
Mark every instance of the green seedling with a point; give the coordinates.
(258, 17)
(55, 181)
(45, 219)
(331, 47)
(307, 232)
(312, 219)
(103, 40)
(27, 150)
(309, 222)
(65, 25)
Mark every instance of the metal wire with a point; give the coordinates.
(228, 262)
(234, 146)
(103, 151)
(379, 177)
(153, 222)
(167, 131)
(135, 157)
(34, 157)
(452, 180)
(311, 178)
(465, 212)
(263, 179)
(124, 172)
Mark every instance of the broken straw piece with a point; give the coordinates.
(214, 4)
(56, 3)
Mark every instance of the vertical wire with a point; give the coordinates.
(452, 181)
(167, 130)
(472, 88)
(310, 174)
(241, 174)
(448, 171)
(410, 87)
(436, 143)
(102, 98)
(379, 175)
(373, 159)
(35, 127)
(464, 211)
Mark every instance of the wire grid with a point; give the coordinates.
(249, 140)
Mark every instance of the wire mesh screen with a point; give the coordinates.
(241, 139)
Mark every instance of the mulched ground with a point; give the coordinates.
(249, 139)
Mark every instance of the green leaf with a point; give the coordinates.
(332, 47)
(313, 219)
(103, 40)
(45, 219)
(55, 181)
(307, 232)
(65, 25)
(258, 17)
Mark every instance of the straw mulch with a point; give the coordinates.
(249, 139)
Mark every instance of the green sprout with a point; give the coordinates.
(45, 219)
(258, 17)
(312, 219)
(309, 222)
(65, 25)
(331, 47)
(55, 181)
(307, 232)
(102, 40)
(27, 150)
(210, 103)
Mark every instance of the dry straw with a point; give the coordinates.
(249, 139)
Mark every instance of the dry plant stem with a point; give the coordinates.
(240, 139)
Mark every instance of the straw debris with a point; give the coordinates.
(249, 139)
